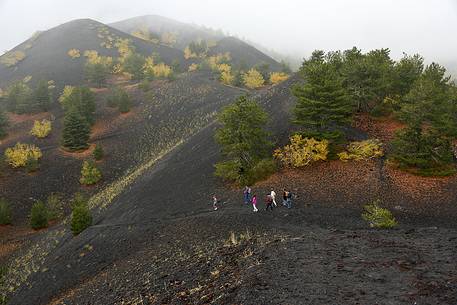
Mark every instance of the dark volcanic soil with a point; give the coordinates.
(159, 242)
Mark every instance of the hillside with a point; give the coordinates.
(241, 52)
(157, 241)
(46, 54)
(159, 25)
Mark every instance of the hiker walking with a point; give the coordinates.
(247, 194)
(273, 197)
(254, 203)
(215, 202)
(269, 202)
(284, 197)
(289, 199)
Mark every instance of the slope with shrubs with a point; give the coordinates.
(58, 54)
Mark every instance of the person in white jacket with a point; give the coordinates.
(273, 196)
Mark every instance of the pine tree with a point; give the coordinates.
(97, 73)
(42, 96)
(76, 131)
(243, 139)
(19, 99)
(124, 102)
(3, 124)
(323, 106)
(83, 100)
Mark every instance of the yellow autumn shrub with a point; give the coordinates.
(90, 174)
(188, 53)
(302, 151)
(18, 155)
(10, 59)
(162, 70)
(41, 129)
(363, 150)
(253, 79)
(226, 77)
(193, 67)
(74, 53)
(278, 77)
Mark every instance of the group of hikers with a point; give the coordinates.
(270, 199)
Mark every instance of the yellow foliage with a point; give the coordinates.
(253, 79)
(188, 53)
(123, 47)
(10, 59)
(90, 174)
(18, 155)
(169, 39)
(27, 79)
(148, 67)
(94, 58)
(216, 60)
(226, 74)
(278, 77)
(362, 150)
(41, 129)
(162, 70)
(193, 67)
(74, 53)
(302, 151)
(67, 91)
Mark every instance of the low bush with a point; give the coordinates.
(41, 129)
(378, 217)
(39, 216)
(261, 171)
(363, 150)
(125, 103)
(18, 155)
(32, 165)
(90, 174)
(81, 217)
(193, 67)
(5, 212)
(74, 53)
(278, 77)
(253, 79)
(98, 152)
(302, 151)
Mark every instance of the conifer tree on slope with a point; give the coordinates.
(76, 131)
(3, 124)
(323, 106)
(42, 96)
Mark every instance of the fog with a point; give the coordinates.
(291, 27)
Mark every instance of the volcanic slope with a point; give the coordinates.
(159, 119)
(241, 52)
(159, 242)
(159, 25)
(46, 53)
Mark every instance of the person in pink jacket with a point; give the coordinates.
(254, 203)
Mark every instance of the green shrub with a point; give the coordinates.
(90, 174)
(145, 85)
(261, 171)
(98, 152)
(81, 217)
(5, 213)
(124, 103)
(39, 215)
(54, 206)
(32, 165)
(378, 217)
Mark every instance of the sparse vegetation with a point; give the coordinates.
(90, 174)
(302, 151)
(5, 212)
(81, 217)
(54, 207)
(378, 217)
(363, 150)
(41, 129)
(39, 216)
(20, 154)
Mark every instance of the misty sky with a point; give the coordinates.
(294, 27)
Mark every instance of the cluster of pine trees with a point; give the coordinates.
(20, 98)
(338, 84)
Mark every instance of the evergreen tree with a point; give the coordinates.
(133, 64)
(323, 106)
(124, 102)
(19, 99)
(76, 131)
(243, 139)
(97, 73)
(407, 71)
(83, 100)
(3, 124)
(42, 96)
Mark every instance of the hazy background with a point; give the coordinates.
(292, 27)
